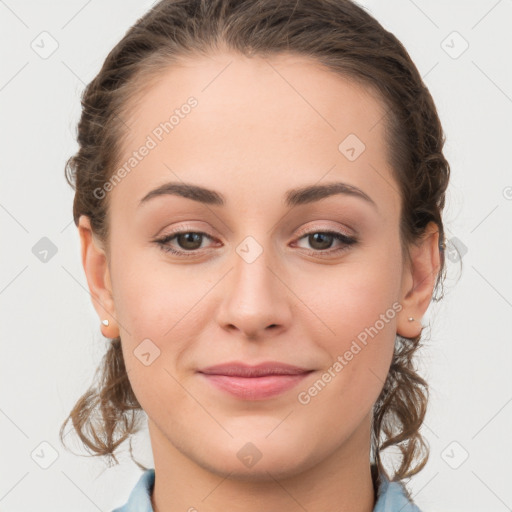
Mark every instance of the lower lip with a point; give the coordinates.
(255, 388)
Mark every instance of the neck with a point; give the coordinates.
(340, 482)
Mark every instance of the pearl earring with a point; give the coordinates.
(411, 319)
(105, 322)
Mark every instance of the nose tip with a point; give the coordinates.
(254, 301)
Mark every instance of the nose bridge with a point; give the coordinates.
(252, 263)
(255, 297)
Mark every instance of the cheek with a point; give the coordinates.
(161, 315)
(153, 299)
(158, 329)
(345, 300)
(359, 350)
(356, 310)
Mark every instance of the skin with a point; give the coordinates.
(260, 128)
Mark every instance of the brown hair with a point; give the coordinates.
(348, 41)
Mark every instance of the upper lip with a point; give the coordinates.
(239, 369)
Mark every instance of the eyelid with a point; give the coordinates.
(323, 228)
(185, 228)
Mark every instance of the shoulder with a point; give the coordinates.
(140, 497)
(393, 496)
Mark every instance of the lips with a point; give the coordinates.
(258, 382)
(239, 369)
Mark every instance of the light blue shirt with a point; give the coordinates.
(391, 496)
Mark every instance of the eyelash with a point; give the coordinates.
(346, 240)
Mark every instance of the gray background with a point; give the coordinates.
(50, 334)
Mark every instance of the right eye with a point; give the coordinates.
(190, 241)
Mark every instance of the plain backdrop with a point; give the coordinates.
(50, 334)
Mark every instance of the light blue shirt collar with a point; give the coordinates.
(391, 496)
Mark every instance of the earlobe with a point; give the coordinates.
(95, 264)
(418, 282)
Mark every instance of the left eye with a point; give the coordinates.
(323, 240)
(190, 242)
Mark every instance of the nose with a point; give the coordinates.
(255, 298)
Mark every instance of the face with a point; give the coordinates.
(257, 270)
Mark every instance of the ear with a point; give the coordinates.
(418, 281)
(94, 261)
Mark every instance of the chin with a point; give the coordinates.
(258, 461)
(261, 472)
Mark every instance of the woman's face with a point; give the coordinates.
(252, 282)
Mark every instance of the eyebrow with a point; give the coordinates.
(293, 197)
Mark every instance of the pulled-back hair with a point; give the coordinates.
(342, 36)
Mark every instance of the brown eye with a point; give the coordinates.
(189, 241)
(320, 241)
(186, 243)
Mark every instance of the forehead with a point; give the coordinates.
(257, 124)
